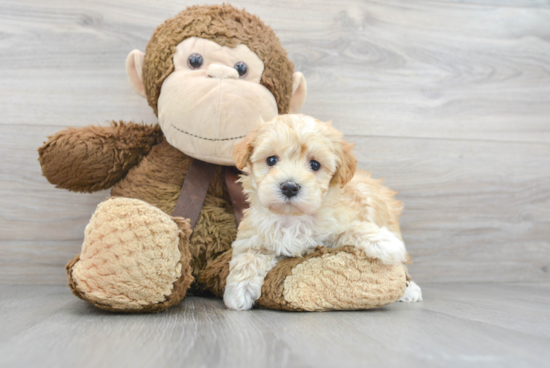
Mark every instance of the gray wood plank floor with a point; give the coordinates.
(459, 325)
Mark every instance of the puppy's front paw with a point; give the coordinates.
(241, 295)
(387, 247)
(413, 293)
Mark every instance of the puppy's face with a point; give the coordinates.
(292, 161)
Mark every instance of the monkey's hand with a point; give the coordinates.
(93, 158)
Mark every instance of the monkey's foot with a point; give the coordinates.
(332, 279)
(135, 258)
(328, 279)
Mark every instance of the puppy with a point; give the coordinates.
(300, 181)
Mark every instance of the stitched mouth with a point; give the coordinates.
(205, 138)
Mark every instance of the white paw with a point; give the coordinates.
(241, 295)
(412, 294)
(387, 247)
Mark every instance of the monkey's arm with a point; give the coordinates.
(93, 158)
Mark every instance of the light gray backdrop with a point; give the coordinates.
(447, 100)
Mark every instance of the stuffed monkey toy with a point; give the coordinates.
(210, 74)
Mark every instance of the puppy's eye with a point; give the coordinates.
(242, 69)
(315, 165)
(272, 160)
(195, 61)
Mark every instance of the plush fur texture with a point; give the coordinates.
(341, 278)
(142, 241)
(157, 180)
(363, 285)
(331, 204)
(226, 26)
(94, 158)
(146, 175)
(134, 258)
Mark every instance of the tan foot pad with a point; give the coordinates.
(134, 258)
(332, 279)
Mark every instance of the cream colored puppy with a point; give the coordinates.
(303, 191)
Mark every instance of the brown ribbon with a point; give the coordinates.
(235, 189)
(195, 186)
(193, 191)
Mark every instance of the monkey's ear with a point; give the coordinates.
(299, 92)
(346, 170)
(243, 150)
(134, 70)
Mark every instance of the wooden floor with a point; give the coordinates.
(459, 325)
(449, 100)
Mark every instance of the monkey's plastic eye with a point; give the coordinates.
(315, 165)
(272, 160)
(195, 61)
(242, 69)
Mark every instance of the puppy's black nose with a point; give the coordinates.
(290, 189)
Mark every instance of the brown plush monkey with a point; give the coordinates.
(210, 74)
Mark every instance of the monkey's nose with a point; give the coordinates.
(290, 189)
(221, 72)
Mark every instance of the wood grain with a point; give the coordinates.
(459, 325)
(448, 100)
(422, 69)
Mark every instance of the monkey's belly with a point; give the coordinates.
(158, 179)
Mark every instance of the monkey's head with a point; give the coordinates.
(211, 74)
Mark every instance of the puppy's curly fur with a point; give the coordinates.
(301, 182)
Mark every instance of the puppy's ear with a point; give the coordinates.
(243, 150)
(348, 166)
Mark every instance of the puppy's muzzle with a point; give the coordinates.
(290, 189)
